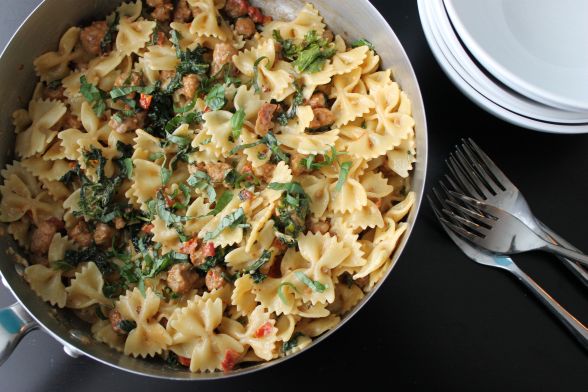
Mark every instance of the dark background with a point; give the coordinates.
(440, 322)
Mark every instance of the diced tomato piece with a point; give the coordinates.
(168, 200)
(245, 194)
(230, 360)
(184, 361)
(255, 14)
(147, 228)
(247, 168)
(263, 331)
(209, 250)
(207, 109)
(145, 101)
(189, 246)
(160, 38)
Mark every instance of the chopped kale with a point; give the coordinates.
(292, 211)
(127, 325)
(293, 342)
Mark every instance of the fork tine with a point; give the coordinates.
(472, 173)
(476, 165)
(492, 169)
(462, 178)
(473, 227)
(476, 204)
(486, 175)
(460, 230)
(471, 213)
(453, 184)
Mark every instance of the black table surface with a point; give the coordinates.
(440, 322)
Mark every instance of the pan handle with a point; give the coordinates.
(15, 323)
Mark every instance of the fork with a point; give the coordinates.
(506, 263)
(476, 175)
(497, 231)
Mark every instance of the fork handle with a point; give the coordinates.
(573, 266)
(565, 252)
(572, 324)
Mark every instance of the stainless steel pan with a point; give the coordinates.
(41, 32)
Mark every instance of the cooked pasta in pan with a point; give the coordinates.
(207, 185)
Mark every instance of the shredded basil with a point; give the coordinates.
(281, 294)
(363, 42)
(231, 220)
(215, 99)
(343, 173)
(201, 180)
(94, 96)
(221, 203)
(313, 284)
(256, 74)
(237, 124)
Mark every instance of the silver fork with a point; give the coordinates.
(506, 263)
(477, 176)
(498, 231)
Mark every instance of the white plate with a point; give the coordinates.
(537, 47)
(490, 87)
(454, 71)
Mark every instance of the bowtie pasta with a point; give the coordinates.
(207, 185)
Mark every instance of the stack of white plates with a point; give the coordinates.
(525, 61)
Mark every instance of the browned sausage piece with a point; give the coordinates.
(322, 118)
(236, 8)
(181, 278)
(103, 234)
(296, 163)
(42, 236)
(162, 9)
(318, 100)
(54, 93)
(128, 123)
(80, 234)
(92, 35)
(265, 171)
(214, 279)
(189, 86)
(71, 121)
(217, 171)
(245, 27)
(183, 13)
(264, 122)
(222, 55)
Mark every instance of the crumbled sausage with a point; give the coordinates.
(181, 278)
(328, 35)
(265, 171)
(318, 100)
(320, 227)
(214, 278)
(183, 13)
(119, 222)
(189, 86)
(197, 256)
(71, 121)
(322, 118)
(128, 123)
(236, 8)
(222, 54)
(42, 236)
(217, 171)
(92, 35)
(296, 163)
(80, 234)
(103, 234)
(264, 122)
(56, 93)
(245, 27)
(162, 9)
(115, 318)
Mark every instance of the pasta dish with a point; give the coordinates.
(207, 185)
